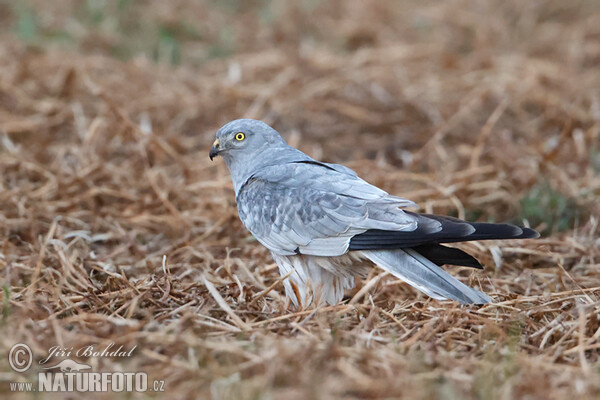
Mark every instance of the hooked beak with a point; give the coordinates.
(214, 150)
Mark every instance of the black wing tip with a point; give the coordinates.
(442, 255)
(463, 263)
(492, 231)
(528, 233)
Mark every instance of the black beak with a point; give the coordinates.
(213, 153)
(214, 150)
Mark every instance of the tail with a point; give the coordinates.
(424, 275)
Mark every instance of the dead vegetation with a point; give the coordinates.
(116, 227)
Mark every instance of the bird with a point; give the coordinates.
(325, 226)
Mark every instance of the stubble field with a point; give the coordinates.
(115, 227)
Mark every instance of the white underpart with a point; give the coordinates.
(316, 279)
(324, 279)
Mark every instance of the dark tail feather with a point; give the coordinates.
(441, 255)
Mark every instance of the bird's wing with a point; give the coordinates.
(314, 208)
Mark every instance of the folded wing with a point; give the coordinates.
(302, 208)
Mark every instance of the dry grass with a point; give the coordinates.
(116, 227)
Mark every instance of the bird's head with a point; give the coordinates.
(243, 138)
(248, 145)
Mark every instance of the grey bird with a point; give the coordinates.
(321, 222)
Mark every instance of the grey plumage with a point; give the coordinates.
(418, 271)
(322, 222)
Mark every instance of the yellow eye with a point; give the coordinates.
(240, 136)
